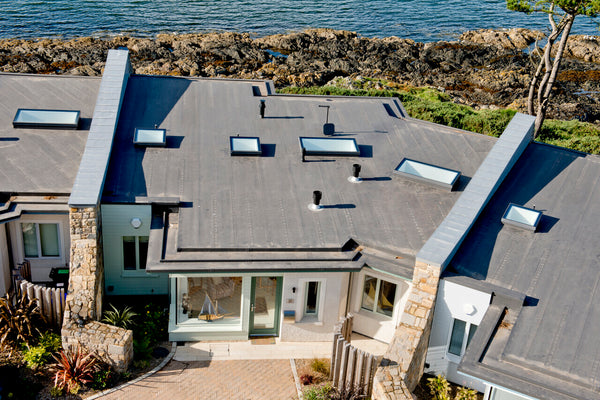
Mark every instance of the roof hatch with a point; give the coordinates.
(245, 146)
(35, 118)
(329, 146)
(150, 137)
(522, 217)
(429, 173)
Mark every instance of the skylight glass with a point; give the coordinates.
(150, 137)
(522, 217)
(329, 146)
(428, 173)
(31, 118)
(245, 146)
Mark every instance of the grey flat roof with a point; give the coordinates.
(262, 202)
(89, 182)
(43, 160)
(553, 349)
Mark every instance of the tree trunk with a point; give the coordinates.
(545, 89)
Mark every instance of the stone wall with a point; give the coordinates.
(84, 299)
(402, 365)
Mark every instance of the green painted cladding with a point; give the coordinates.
(116, 224)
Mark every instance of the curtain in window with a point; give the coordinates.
(29, 240)
(368, 300)
(387, 294)
(49, 239)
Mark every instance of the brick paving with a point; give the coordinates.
(231, 379)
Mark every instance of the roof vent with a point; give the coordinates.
(34, 118)
(429, 173)
(245, 146)
(355, 172)
(522, 217)
(328, 129)
(316, 204)
(150, 137)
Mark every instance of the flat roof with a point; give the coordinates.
(552, 348)
(43, 160)
(261, 203)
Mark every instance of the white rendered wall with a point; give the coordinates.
(41, 266)
(332, 305)
(453, 301)
(116, 223)
(374, 325)
(4, 264)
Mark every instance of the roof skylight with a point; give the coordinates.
(245, 146)
(150, 137)
(429, 173)
(522, 217)
(33, 118)
(329, 146)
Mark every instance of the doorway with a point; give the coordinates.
(265, 303)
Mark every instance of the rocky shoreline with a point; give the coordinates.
(483, 68)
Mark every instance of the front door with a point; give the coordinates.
(265, 302)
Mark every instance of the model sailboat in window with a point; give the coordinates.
(211, 311)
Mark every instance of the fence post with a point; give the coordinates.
(351, 368)
(344, 366)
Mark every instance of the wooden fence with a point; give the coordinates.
(351, 369)
(50, 300)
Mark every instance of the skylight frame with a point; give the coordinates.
(353, 152)
(154, 137)
(521, 217)
(244, 149)
(428, 172)
(24, 119)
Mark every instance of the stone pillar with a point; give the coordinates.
(403, 362)
(83, 306)
(86, 279)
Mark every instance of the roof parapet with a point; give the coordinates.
(447, 238)
(89, 181)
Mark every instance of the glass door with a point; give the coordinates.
(265, 302)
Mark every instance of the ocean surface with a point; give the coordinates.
(421, 20)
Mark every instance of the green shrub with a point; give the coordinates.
(318, 392)
(464, 393)
(153, 324)
(142, 348)
(36, 356)
(439, 388)
(124, 318)
(50, 341)
(103, 378)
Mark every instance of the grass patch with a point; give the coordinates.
(432, 105)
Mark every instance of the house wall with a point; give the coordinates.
(40, 267)
(371, 324)
(453, 301)
(116, 223)
(332, 305)
(4, 262)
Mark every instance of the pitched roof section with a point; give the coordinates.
(550, 348)
(94, 163)
(447, 238)
(43, 161)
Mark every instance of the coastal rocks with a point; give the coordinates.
(483, 68)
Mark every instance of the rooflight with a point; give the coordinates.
(522, 217)
(424, 172)
(244, 146)
(150, 137)
(32, 118)
(329, 146)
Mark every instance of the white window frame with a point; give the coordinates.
(39, 241)
(301, 315)
(137, 255)
(377, 288)
(451, 356)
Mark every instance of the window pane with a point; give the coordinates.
(387, 294)
(457, 337)
(216, 300)
(129, 252)
(143, 248)
(312, 297)
(472, 330)
(368, 298)
(29, 240)
(49, 239)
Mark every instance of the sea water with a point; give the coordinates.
(421, 20)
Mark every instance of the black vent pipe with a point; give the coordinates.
(355, 170)
(317, 197)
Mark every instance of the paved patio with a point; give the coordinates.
(244, 370)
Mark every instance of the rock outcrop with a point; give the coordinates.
(483, 68)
